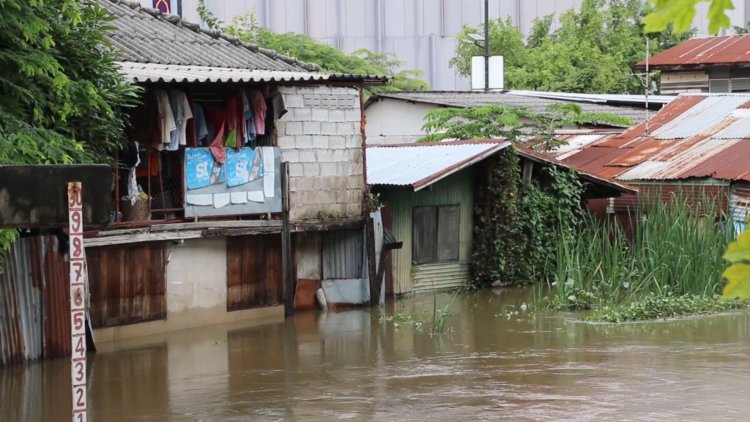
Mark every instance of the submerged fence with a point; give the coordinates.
(34, 303)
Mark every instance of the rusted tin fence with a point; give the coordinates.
(34, 305)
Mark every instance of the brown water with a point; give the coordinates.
(353, 366)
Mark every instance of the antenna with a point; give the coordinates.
(645, 79)
(648, 84)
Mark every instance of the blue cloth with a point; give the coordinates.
(201, 128)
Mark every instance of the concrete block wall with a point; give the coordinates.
(320, 137)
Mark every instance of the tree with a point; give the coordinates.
(328, 58)
(513, 123)
(680, 13)
(60, 93)
(593, 50)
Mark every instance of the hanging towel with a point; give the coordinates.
(166, 118)
(259, 112)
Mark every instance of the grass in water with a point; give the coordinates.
(671, 264)
(662, 307)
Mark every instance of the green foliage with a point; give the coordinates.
(328, 58)
(674, 250)
(680, 13)
(665, 306)
(60, 93)
(738, 273)
(514, 235)
(592, 51)
(512, 123)
(497, 236)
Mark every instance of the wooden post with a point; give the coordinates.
(286, 243)
(372, 273)
(77, 302)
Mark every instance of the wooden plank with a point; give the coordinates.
(128, 284)
(286, 244)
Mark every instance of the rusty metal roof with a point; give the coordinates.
(695, 136)
(420, 165)
(590, 177)
(698, 52)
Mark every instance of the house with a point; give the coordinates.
(697, 144)
(398, 117)
(427, 191)
(251, 189)
(705, 64)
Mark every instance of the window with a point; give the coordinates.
(435, 234)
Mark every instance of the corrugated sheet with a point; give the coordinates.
(700, 118)
(154, 72)
(692, 137)
(440, 276)
(342, 254)
(254, 271)
(574, 143)
(700, 51)
(56, 300)
(538, 105)
(596, 98)
(127, 283)
(146, 36)
(420, 165)
(455, 189)
(29, 301)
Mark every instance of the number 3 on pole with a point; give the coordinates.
(77, 302)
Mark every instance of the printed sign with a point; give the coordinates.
(245, 183)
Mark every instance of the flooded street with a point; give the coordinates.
(352, 365)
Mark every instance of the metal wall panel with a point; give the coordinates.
(34, 320)
(254, 276)
(342, 255)
(402, 21)
(127, 283)
(455, 189)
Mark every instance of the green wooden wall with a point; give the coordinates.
(455, 189)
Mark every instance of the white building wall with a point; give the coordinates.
(395, 122)
(420, 32)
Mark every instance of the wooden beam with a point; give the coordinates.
(286, 243)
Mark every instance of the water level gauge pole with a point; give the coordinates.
(77, 302)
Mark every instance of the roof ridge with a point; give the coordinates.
(215, 33)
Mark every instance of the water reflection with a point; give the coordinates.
(351, 365)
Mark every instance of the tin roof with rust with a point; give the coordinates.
(695, 136)
(700, 52)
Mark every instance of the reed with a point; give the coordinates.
(675, 249)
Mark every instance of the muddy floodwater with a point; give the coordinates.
(351, 365)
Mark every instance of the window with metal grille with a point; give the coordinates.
(435, 234)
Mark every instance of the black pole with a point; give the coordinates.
(486, 45)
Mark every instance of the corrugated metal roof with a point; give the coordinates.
(461, 99)
(152, 72)
(599, 180)
(634, 100)
(701, 117)
(701, 135)
(702, 51)
(420, 165)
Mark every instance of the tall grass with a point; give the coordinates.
(674, 249)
